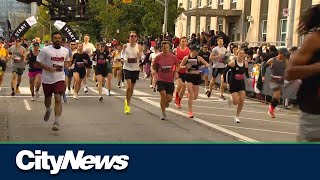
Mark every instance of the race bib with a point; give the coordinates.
(239, 76)
(166, 69)
(80, 64)
(101, 61)
(132, 60)
(58, 68)
(17, 60)
(35, 66)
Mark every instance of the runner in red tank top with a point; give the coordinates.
(181, 52)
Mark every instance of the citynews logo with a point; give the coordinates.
(40, 160)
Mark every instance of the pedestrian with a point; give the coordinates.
(52, 60)
(163, 65)
(305, 65)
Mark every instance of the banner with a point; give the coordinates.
(23, 28)
(66, 30)
(160, 161)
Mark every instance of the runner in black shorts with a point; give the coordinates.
(102, 67)
(80, 60)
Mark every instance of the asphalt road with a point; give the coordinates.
(88, 120)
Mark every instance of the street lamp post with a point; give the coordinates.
(165, 17)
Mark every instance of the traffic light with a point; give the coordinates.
(39, 2)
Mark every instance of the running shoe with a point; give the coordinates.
(55, 126)
(151, 86)
(207, 91)
(108, 93)
(222, 97)
(122, 84)
(97, 84)
(163, 117)
(18, 90)
(37, 94)
(154, 90)
(65, 99)
(127, 109)
(271, 111)
(69, 92)
(75, 97)
(32, 98)
(190, 115)
(209, 94)
(236, 119)
(13, 93)
(85, 89)
(47, 115)
(101, 98)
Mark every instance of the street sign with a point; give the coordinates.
(286, 12)
(127, 1)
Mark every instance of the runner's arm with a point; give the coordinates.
(183, 62)
(299, 67)
(204, 62)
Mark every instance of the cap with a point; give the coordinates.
(284, 51)
(18, 39)
(194, 48)
(36, 44)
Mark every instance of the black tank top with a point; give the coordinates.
(309, 92)
(33, 66)
(195, 64)
(238, 72)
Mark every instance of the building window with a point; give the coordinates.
(264, 30)
(209, 3)
(283, 31)
(221, 2)
(190, 4)
(208, 24)
(233, 4)
(220, 24)
(199, 3)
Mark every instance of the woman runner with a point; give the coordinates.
(34, 71)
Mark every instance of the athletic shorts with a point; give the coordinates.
(82, 72)
(55, 88)
(217, 71)
(237, 86)
(165, 86)
(115, 70)
(132, 75)
(204, 71)
(34, 74)
(182, 76)
(309, 128)
(68, 72)
(19, 71)
(195, 79)
(275, 85)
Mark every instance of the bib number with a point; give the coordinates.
(58, 68)
(101, 61)
(132, 60)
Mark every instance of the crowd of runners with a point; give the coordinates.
(62, 68)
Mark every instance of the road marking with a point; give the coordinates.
(214, 126)
(255, 129)
(253, 119)
(27, 105)
(226, 109)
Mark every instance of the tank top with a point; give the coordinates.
(33, 66)
(180, 55)
(132, 60)
(238, 72)
(195, 64)
(278, 67)
(309, 92)
(117, 57)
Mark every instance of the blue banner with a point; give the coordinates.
(160, 161)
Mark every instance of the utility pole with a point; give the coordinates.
(290, 23)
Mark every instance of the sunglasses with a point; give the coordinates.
(72, 44)
(205, 47)
(133, 36)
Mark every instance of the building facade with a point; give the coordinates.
(14, 11)
(253, 21)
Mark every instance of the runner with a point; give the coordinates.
(153, 72)
(163, 65)
(89, 49)
(34, 70)
(132, 55)
(117, 64)
(193, 77)
(51, 59)
(103, 67)
(80, 60)
(181, 52)
(278, 66)
(239, 69)
(73, 47)
(3, 61)
(305, 65)
(217, 57)
(18, 54)
(205, 54)
(94, 63)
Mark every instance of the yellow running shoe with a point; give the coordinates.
(126, 107)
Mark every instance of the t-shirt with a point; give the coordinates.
(53, 58)
(204, 55)
(3, 53)
(153, 56)
(88, 48)
(218, 62)
(78, 60)
(17, 57)
(165, 64)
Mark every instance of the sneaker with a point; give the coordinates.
(122, 84)
(18, 90)
(97, 84)
(68, 92)
(209, 94)
(222, 97)
(126, 107)
(154, 90)
(37, 94)
(101, 98)
(86, 89)
(108, 93)
(75, 97)
(163, 116)
(65, 99)
(47, 115)
(32, 98)
(207, 91)
(151, 86)
(119, 87)
(13, 93)
(271, 111)
(55, 126)
(236, 119)
(190, 115)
